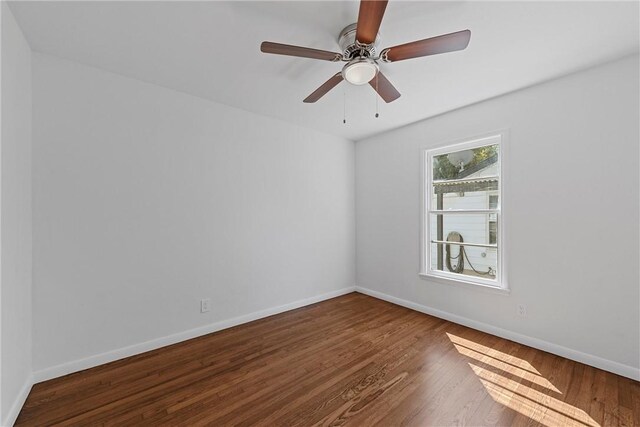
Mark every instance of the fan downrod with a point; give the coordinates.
(351, 48)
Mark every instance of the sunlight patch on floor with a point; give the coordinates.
(538, 406)
(488, 351)
(511, 369)
(516, 395)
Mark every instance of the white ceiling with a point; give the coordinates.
(211, 50)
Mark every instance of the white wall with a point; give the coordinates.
(571, 191)
(15, 216)
(147, 200)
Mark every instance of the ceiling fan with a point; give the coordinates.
(359, 44)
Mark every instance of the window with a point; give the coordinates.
(462, 218)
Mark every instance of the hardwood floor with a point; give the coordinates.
(351, 360)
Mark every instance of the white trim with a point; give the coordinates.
(110, 356)
(499, 137)
(13, 413)
(453, 278)
(461, 281)
(578, 356)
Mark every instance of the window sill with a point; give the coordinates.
(465, 283)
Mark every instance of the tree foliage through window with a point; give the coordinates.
(444, 169)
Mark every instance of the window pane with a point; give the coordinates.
(472, 262)
(465, 228)
(472, 163)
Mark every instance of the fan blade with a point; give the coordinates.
(369, 19)
(433, 46)
(326, 87)
(305, 52)
(384, 88)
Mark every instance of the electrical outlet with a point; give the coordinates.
(522, 310)
(205, 305)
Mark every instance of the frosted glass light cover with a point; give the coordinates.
(360, 73)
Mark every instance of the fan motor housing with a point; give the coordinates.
(351, 48)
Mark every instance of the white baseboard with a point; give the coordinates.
(13, 413)
(110, 356)
(578, 356)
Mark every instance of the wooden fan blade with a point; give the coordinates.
(369, 19)
(433, 46)
(326, 87)
(384, 88)
(304, 52)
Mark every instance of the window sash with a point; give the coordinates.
(463, 211)
(475, 245)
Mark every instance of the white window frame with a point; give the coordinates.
(428, 235)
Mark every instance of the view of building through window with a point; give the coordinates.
(464, 208)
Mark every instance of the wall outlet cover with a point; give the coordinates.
(205, 305)
(522, 310)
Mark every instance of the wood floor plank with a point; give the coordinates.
(353, 360)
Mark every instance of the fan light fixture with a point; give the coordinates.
(360, 71)
(359, 48)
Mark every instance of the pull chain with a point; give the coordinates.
(377, 115)
(344, 105)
